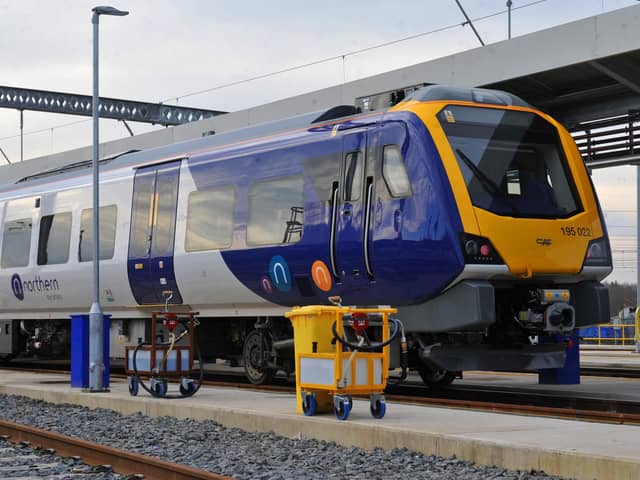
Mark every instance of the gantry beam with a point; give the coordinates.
(114, 108)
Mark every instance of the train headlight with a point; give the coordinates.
(598, 253)
(479, 250)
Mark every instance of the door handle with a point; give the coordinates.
(347, 210)
(367, 227)
(397, 220)
(332, 235)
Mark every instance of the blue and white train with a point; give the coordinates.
(467, 208)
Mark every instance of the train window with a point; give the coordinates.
(55, 235)
(276, 211)
(512, 162)
(108, 216)
(352, 176)
(394, 172)
(321, 172)
(210, 219)
(166, 192)
(16, 243)
(141, 217)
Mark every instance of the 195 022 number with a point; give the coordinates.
(576, 231)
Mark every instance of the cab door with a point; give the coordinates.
(351, 213)
(152, 235)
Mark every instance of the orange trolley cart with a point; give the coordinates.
(330, 367)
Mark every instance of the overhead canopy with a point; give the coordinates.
(598, 100)
(584, 91)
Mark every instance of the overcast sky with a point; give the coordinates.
(165, 50)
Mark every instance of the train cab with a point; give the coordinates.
(533, 239)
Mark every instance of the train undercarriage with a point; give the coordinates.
(515, 336)
(264, 345)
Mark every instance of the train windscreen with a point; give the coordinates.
(512, 161)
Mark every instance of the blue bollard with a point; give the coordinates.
(80, 350)
(570, 373)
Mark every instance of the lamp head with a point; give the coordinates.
(106, 10)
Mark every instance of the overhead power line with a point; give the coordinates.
(349, 54)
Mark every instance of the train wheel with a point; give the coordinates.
(7, 358)
(254, 367)
(433, 377)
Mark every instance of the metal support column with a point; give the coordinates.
(633, 116)
(637, 316)
(509, 3)
(21, 135)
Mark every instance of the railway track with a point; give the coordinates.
(19, 459)
(610, 372)
(523, 402)
(95, 454)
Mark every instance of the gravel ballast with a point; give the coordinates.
(20, 461)
(243, 455)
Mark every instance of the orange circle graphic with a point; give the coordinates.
(321, 276)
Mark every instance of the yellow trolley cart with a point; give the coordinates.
(331, 366)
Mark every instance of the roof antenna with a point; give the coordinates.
(470, 23)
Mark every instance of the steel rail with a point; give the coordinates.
(612, 372)
(95, 454)
(517, 409)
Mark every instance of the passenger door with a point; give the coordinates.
(351, 213)
(152, 235)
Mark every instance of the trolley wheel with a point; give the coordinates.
(134, 386)
(342, 406)
(187, 386)
(309, 404)
(254, 367)
(159, 388)
(378, 406)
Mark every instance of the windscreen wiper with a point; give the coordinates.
(488, 184)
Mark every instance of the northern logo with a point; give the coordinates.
(37, 285)
(16, 286)
(543, 242)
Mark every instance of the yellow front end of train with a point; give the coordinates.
(519, 181)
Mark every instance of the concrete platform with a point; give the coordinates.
(568, 448)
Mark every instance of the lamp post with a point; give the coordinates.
(96, 327)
